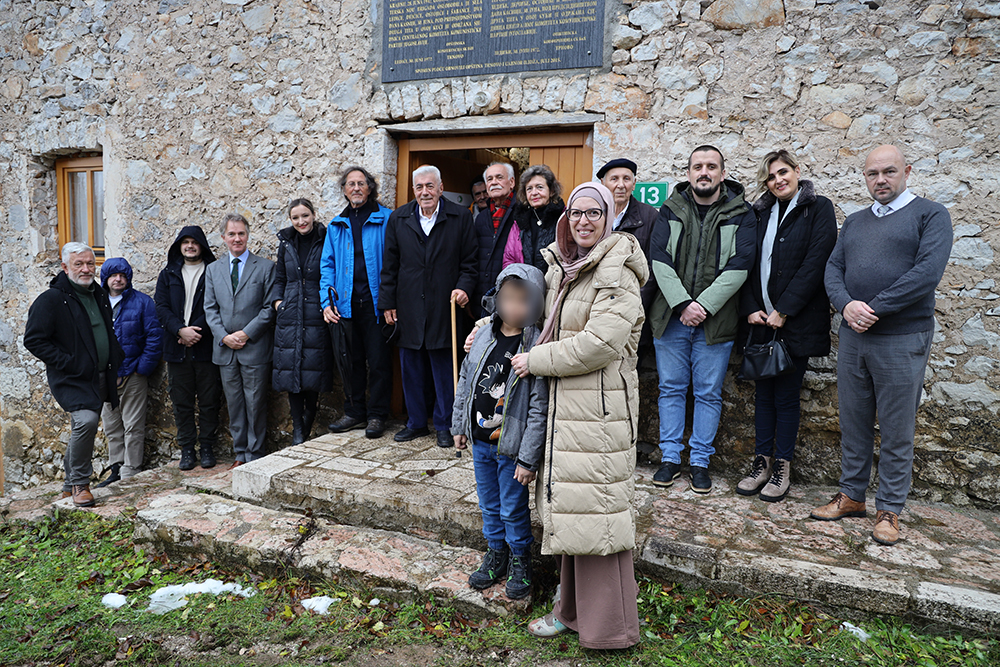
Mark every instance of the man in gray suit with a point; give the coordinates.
(238, 310)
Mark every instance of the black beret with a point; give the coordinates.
(616, 163)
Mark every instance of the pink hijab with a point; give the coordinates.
(572, 256)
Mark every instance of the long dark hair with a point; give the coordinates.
(301, 201)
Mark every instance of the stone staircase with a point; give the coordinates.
(402, 520)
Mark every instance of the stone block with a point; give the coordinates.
(962, 607)
(742, 14)
(252, 481)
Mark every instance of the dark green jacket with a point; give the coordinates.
(711, 271)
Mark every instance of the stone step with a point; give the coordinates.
(945, 569)
(191, 526)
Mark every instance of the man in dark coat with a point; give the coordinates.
(430, 258)
(141, 337)
(636, 218)
(493, 225)
(188, 344)
(69, 328)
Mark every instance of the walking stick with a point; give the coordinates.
(454, 354)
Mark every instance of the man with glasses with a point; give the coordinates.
(351, 264)
(703, 247)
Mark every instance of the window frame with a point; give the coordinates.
(64, 167)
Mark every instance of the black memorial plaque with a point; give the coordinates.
(426, 39)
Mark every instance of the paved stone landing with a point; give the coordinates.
(946, 567)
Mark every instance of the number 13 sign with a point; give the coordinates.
(654, 194)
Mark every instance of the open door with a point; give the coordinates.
(463, 157)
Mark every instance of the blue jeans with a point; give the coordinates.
(682, 359)
(502, 500)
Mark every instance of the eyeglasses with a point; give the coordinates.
(593, 214)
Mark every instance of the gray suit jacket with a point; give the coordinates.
(249, 309)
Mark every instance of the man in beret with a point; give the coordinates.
(636, 218)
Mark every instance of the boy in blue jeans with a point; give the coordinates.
(504, 416)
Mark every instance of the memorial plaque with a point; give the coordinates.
(425, 39)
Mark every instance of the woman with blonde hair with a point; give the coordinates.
(784, 297)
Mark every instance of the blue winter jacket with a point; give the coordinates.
(337, 264)
(136, 326)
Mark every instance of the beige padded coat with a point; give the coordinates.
(585, 489)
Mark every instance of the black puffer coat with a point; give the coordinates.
(537, 229)
(802, 246)
(303, 354)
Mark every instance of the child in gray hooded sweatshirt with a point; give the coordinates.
(504, 417)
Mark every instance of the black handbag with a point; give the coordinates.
(765, 360)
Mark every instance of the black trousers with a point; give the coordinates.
(371, 367)
(192, 381)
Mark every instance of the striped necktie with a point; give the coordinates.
(884, 210)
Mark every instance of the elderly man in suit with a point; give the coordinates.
(429, 257)
(239, 313)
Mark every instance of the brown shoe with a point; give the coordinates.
(82, 497)
(838, 508)
(236, 464)
(65, 494)
(886, 529)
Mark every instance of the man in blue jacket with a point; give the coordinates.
(188, 344)
(351, 264)
(141, 337)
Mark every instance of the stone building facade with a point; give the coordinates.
(198, 107)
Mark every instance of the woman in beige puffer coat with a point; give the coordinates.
(587, 349)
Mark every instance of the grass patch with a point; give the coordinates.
(53, 574)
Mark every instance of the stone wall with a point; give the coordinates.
(200, 107)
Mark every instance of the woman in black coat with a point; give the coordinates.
(784, 293)
(537, 210)
(303, 354)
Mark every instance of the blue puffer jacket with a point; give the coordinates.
(136, 326)
(337, 264)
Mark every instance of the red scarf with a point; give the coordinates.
(498, 211)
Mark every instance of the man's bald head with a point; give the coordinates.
(886, 172)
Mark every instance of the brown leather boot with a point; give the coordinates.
(838, 508)
(886, 529)
(82, 497)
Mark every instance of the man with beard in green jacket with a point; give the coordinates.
(702, 248)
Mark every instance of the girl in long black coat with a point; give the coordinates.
(784, 293)
(303, 354)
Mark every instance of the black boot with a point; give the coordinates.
(113, 477)
(493, 569)
(207, 457)
(519, 577)
(297, 426)
(308, 419)
(187, 459)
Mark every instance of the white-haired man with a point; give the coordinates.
(430, 256)
(493, 225)
(70, 329)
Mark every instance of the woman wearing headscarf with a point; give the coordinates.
(538, 208)
(784, 295)
(587, 349)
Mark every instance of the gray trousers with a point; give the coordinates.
(125, 426)
(78, 462)
(881, 374)
(245, 388)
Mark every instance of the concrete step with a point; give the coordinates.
(191, 526)
(946, 568)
